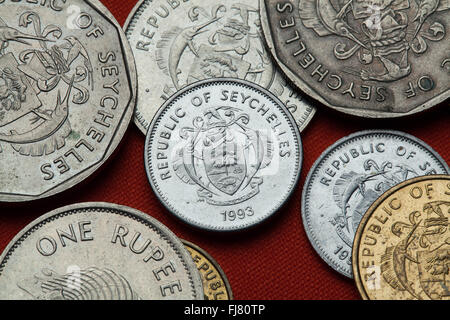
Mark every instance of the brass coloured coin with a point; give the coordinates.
(402, 246)
(215, 283)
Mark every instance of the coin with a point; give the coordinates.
(402, 245)
(67, 94)
(348, 177)
(377, 59)
(215, 282)
(216, 151)
(180, 42)
(97, 251)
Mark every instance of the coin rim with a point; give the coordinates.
(367, 216)
(139, 9)
(307, 185)
(119, 132)
(214, 263)
(304, 87)
(164, 232)
(136, 12)
(243, 83)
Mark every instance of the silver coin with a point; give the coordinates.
(216, 151)
(67, 94)
(375, 59)
(181, 42)
(97, 251)
(348, 177)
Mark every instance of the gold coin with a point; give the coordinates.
(402, 246)
(215, 282)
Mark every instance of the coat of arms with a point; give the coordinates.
(222, 156)
(424, 249)
(225, 42)
(380, 30)
(33, 121)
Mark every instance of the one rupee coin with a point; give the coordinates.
(348, 177)
(402, 246)
(223, 154)
(97, 251)
(67, 94)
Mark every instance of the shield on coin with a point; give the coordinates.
(17, 98)
(224, 162)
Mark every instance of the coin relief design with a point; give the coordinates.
(67, 93)
(402, 247)
(348, 177)
(97, 251)
(215, 282)
(374, 58)
(90, 284)
(216, 151)
(185, 42)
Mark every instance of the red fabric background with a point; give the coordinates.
(272, 261)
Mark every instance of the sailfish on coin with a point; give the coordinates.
(346, 186)
(8, 34)
(183, 40)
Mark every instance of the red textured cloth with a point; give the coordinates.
(272, 261)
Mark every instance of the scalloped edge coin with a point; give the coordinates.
(307, 89)
(52, 166)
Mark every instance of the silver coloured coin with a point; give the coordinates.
(348, 177)
(181, 42)
(218, 149)
(373, 59)
(97, 251)
(67, 94)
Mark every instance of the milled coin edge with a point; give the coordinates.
(129, 27)
(163, 231)
(173, 99)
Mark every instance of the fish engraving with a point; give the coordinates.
(346, 186)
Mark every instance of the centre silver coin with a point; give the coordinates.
(218, 149)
